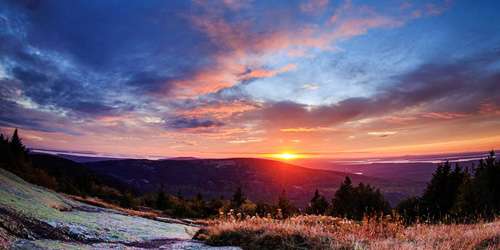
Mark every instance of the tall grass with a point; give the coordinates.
(324, 232)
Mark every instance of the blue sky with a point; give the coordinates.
(232, 77)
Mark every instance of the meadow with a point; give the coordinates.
(326, 232)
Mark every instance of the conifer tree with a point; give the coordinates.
(17, 144)
(286, 208)
(441, 193)
(161, 200)
(238, 198)
(342, 201)
(480, 196)
(356, 202)
(318, 204)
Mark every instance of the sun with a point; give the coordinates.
(286, 156)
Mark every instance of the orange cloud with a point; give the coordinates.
(244, 141)
(444, 115)
(382, 133)
(356, 27)
(242, 46)
(315, 129)
(219, 110)
(396, 119)
(263, 73)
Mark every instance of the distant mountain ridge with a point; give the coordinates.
(261, 179)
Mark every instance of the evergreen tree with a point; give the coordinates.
(162, 202)
(263, 209)
(368, 201)
(441, 193)
(127, 200)
(342, 203)
(357, 202)
(458, 195)
(318, 204)
(466, 201)
(238, 198)
(284, 205)
(4, 151)
(215, 205)
(199, 206)
(17, 144)
(3, 139)
(480, 196)
(409, 210)
(14, 157)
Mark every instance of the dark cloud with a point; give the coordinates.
(65, 92)
(225, 96)
(28, 76)
(73, 55)
(151, 83)
(45, 82)
(14, 115)
(192, 123)
(114, 37)
(91, 107)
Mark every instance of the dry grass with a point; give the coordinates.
(322, 232)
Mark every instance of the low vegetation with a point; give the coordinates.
(326, 232)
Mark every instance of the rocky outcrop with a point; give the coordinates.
(33, 217)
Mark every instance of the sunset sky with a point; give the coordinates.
(230, 78)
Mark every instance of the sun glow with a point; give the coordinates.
(286, 156)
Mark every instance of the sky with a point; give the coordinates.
(317, 78)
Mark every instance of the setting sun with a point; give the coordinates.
(286, 156)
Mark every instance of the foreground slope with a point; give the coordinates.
(34, 217)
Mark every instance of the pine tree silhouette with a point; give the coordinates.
(318, 204)
(238, 198)
(342, 201)
(17, 144)
(161, 200)
(356, 202)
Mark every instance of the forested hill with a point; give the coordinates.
(262, 180)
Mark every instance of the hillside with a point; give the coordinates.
(261, 179)
(66, 170)
(32, 217)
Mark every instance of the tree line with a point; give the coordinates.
(55, 173)
(461, 194)
(453, 194)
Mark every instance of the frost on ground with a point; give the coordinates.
(33, 217)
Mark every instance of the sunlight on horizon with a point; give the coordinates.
(287, 156)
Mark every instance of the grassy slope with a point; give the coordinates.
(321, 232)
